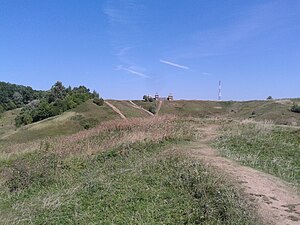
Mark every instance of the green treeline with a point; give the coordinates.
(14, 96)
(39, 105)
(56, 101)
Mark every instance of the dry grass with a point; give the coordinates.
(105, 136)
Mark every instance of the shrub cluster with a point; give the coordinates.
(13, 96)
(152, 109)
(148, 98)
(295, 108)
(98, 101)
(56, 101)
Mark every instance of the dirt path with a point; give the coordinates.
(159, 106)
(140, 108)
(116, 110)
(276, 201)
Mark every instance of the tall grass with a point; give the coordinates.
(115, 174)
(105, 135)
(261, 145)
(126, 186)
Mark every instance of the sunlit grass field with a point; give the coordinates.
(264, 146)
(116, 173)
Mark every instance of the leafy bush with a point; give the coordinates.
(89, 123)
(98, 101)
(148, 98)
(86, 123)
(152, 109)
(13, 96)
(58, 100)
(295, 108)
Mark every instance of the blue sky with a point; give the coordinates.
(127, 48)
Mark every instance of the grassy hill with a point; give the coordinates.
(277, 111)
(86, 163)
(128, 110)
(117, 173)
(7, 121)
(85, 116)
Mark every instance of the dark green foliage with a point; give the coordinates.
(98, 101)
(148, 98)
(14, 96)
(145, 98)
(1, 109)
(270, 98)
(152, 109)
(86, 123)
(295, 108)
(58, 100)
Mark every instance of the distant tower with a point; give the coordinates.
(220, 94)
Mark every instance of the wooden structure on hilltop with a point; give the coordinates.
(170, 97)
(158, 98)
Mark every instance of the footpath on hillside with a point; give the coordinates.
(115, 109)
(159, 106)
(276, 201)
(140, 108)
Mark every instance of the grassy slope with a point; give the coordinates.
(193, 108)
(64, 124)
(7, 121)
(145, 105)
(276, 111)
(87, 185)
(130, 183)
(188, 108)
(126, 108)
(273, 149)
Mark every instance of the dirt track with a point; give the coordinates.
(116, 110)
(141, 108)
(276, 201)
(159, 106)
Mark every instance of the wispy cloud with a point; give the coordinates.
(174, 64)
(123, 51)
(206, 74)
(126, 12)
(132, 71)
(115, 15)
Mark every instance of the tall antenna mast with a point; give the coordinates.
(220, 94)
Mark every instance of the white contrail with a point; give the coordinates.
(135, 72)
(174, 64)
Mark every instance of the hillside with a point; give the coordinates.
(128, 109)
(277, 111)
(85, 116)
(152, 169)
(121, 166)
